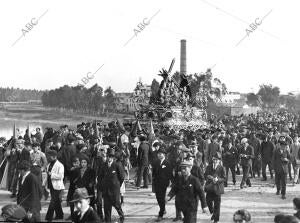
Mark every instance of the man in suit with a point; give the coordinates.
(56, 185)
(213, 148)
(30, 192)
(246, 156)
(162, 175)
(254, 142)
(267, 148)
(215, 175)
(143, 162)
(84, 213)
(230, 156)
(188, 190)
(110, 178)
(281, 157)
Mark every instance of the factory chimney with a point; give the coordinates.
(183, 56)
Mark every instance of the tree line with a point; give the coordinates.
(269, 97)
(19, 95)
(80, 98)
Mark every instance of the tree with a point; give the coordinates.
(109, 96)
(269, 95)
(252, 100)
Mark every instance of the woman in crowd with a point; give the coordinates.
(86, 178)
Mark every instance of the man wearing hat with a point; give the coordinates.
(187, 190)
(214, 187)
(85, 212)
(143, 162)
(67, 153)
(267, 149)
(38, 160)
(281, 158)
(110, 179)
(246, 155)
(30, 192)
(213, 148)
(56, 185)
(230, 157)
(162, 175)
(15, 159)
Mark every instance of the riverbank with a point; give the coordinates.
(39, 114)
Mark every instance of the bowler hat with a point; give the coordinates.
(79, 194)
(186, 163)
(52, 153)
(161, 150)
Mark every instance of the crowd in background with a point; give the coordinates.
(99, 158)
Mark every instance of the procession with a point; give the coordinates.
(94, 163)
(192, 160)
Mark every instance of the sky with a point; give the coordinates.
(69, 41)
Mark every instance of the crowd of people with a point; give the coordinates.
(95, 160)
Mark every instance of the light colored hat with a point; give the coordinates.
(244, 140)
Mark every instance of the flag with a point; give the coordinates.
(139, 128)
(15, 131)
(96, 129)
(28, 133)
(151, 135)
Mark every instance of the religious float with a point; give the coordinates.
(173, 106)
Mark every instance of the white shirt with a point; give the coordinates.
(82, 213)
(162, 161)
(26, 174)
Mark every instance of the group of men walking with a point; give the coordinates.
(194, 164)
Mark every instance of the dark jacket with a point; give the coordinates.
(74, 174)
(213, 148)
(111, 179)
(246, 155)
(267, 148)
(67, 154)
(161, 174)
(30, 193)
(143, 154)
(280, 164)
(89, 217)
(230, 156)
(100, 166)
(187, 193)
(219, 172)
(25, 155)
(198, 173)
(87, 181)
(254, 142)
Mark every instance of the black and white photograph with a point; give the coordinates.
(150, 111)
